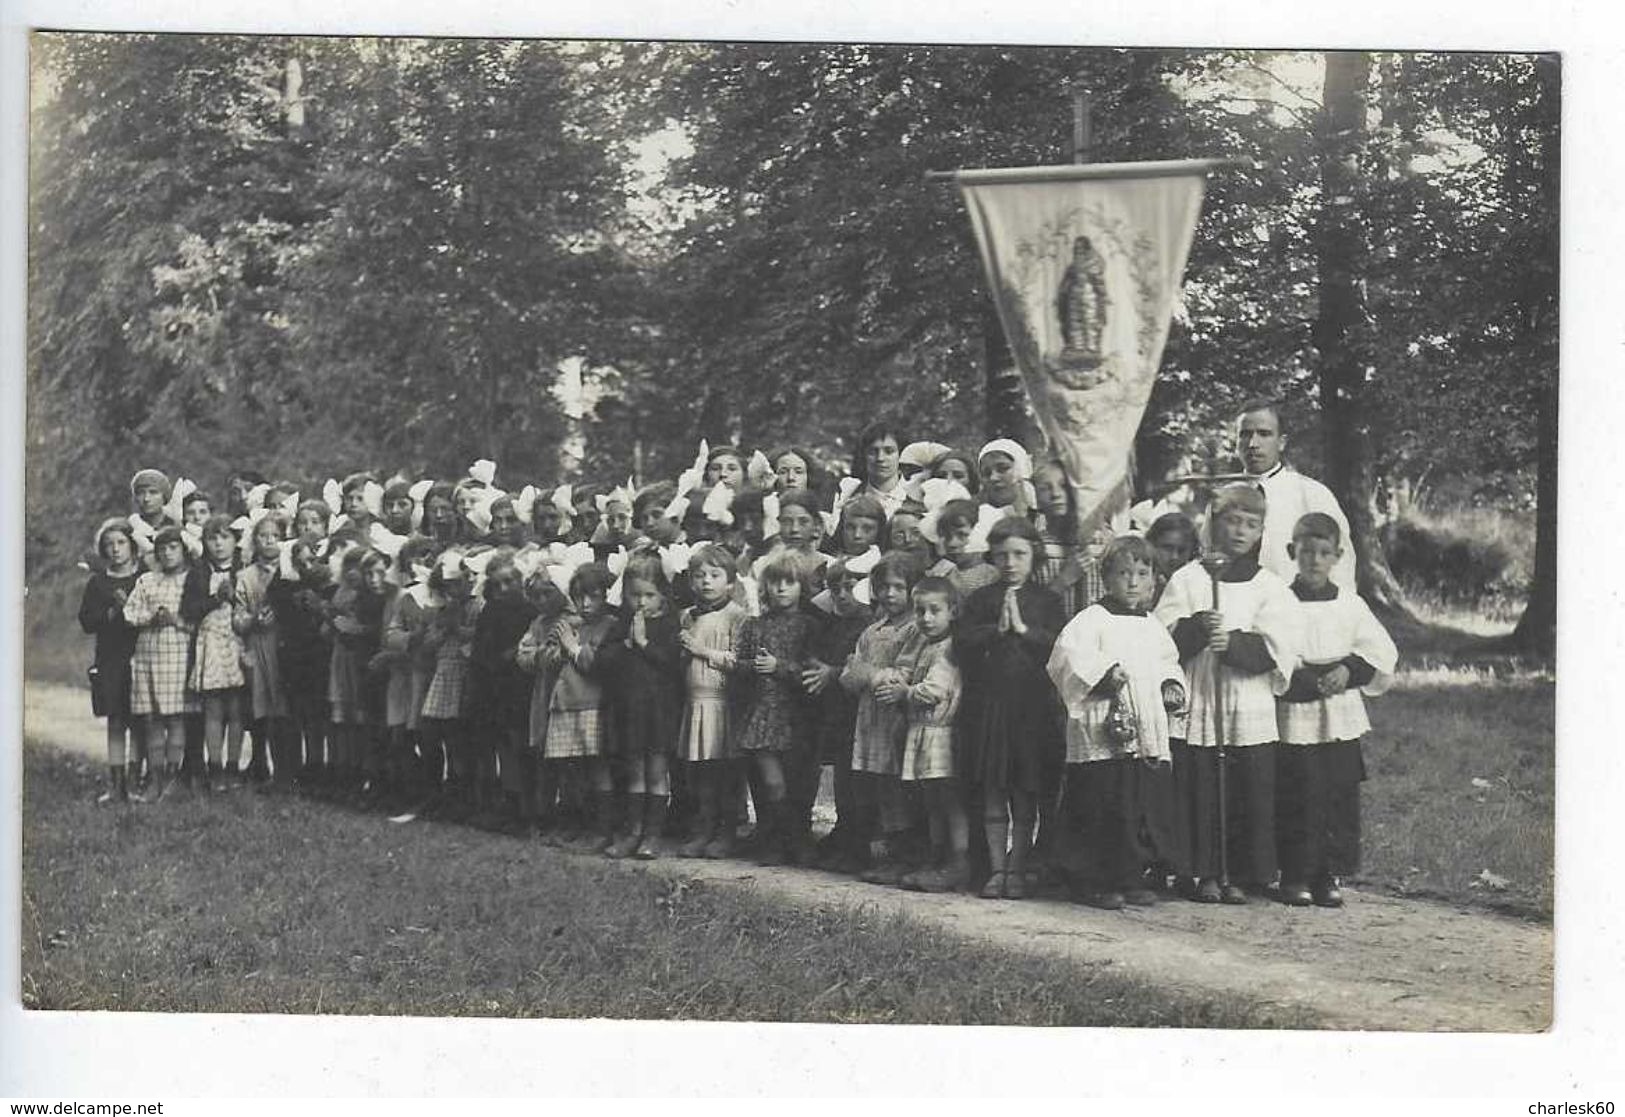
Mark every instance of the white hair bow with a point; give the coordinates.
(528, 560)
(921, 454)
(935, 494)
(617, 566)
(677, 509)
(770, 515)
(255, 497)
(192, 539)
(524, 505)
(451, 564)
(621, 493)
(385, 540)
(419, 492)
(862, 565)
(759, 470)
(372, 495)
(290, 506)
(719, 504)
(244, 526)
(284, 561)
(177, 497)
(484, 471)
(986, 517)
(333, 495)
(142, 532)
(690, 478)
(480, 514)
(476, 565)
(674, 558)
(566, 561)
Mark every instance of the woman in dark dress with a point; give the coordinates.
(101, 614)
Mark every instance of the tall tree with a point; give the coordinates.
(1342, 325)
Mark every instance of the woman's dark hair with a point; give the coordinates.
(869, 435)
(815, 469)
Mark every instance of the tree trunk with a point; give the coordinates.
(1537, 628)
(1341, 332)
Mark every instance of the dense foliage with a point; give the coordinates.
(386, 264)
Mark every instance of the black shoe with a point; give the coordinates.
(1327, 893)
(1295, 895)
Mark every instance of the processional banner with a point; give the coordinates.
(1085, 264)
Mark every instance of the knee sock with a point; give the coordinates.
(998, 836)
(654, 817)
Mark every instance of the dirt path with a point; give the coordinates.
(1381, 963)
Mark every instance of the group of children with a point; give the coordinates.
(622, 671)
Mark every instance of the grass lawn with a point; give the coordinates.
(1459, 801)
(251, 903)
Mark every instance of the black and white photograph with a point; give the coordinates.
(772, 531)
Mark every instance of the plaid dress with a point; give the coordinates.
(217, 663)
(877, 739)
(576, 725)
(444, 698)
(159, 669)
(933, 703)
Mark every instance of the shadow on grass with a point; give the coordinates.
(251, 903)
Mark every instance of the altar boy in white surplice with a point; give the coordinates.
(1343, 652)
(1237, 639)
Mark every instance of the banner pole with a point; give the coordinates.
(1053, 171)
(1082, 130)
